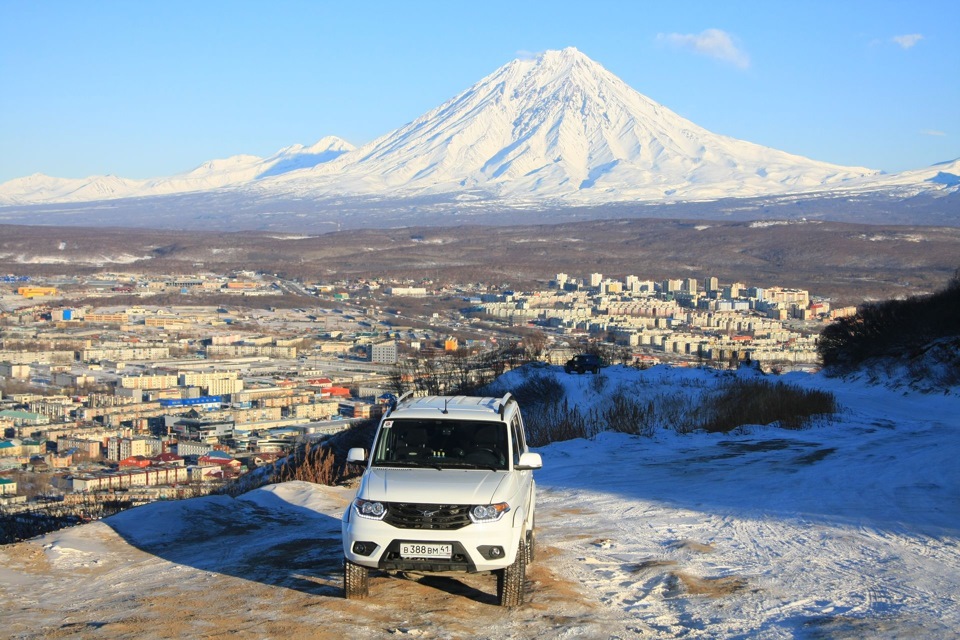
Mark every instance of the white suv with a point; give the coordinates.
(448, 487)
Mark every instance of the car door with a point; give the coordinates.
(525, 477)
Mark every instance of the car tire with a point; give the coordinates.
(511, 580)
(355, 581)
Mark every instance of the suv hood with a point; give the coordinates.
(429, 486)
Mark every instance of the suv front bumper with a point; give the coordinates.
(477, 547)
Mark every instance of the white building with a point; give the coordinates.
(384, 352)
(174, 474)
(123, 448)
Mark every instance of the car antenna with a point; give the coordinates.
(445, 401)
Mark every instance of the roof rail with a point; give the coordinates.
(393, 405)
(503, 404)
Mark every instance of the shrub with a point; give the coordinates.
(893, 328)
(742, 402)
(598, 383)
(555, 422)
(321, 463)
(546, 412)
(626, 413)
(537, 389)
(315, 464)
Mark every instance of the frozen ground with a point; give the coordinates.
(848, 530)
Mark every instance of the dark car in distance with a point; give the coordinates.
(583, 362)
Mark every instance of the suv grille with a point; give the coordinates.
(444, 517)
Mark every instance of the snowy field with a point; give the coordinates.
(845, 530)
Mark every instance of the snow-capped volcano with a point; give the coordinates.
(561, 125)
(558, 128)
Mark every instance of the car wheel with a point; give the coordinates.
(510, 580)
(355, 581)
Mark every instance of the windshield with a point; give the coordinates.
(442, 444)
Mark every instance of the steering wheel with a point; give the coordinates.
(485, 452)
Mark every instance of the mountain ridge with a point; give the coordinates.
(558, 129)
(211, 174)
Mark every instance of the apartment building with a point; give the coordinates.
(150, 476)
(123, 448)
(384, 352)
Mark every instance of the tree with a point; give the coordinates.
(535, 343)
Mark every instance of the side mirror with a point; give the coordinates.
(529, 461)
(356, 455)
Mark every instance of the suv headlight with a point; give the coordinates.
(488, 512)
(370, 509)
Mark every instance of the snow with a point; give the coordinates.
(849, 529)
(557, 128)
(213, 174)
(562, 126)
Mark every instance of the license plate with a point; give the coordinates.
(425, 550)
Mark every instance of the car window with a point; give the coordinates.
(409, 442)
(516, 434)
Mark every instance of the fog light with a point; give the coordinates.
(491, 552)
(364, 548)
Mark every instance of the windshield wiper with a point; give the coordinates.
(456, 464)
(480, 465)
(413, 464)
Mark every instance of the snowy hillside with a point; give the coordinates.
(558, 128)
(847, 530)
(213, 174)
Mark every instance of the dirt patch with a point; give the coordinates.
(709, 587)
(814, 456)
(850, 628)
(545, 587)
(26, 556)
(692, 545)
(647, 565)
(545, 553)
(581, 536)
(775, 444)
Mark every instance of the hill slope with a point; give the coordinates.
(844, 531)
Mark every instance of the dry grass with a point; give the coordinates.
(743, 402)
(316, 464)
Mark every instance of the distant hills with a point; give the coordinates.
(555, 131)
(214, 174)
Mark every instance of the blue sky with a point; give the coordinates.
(152, 88)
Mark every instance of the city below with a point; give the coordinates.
(149, 388)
